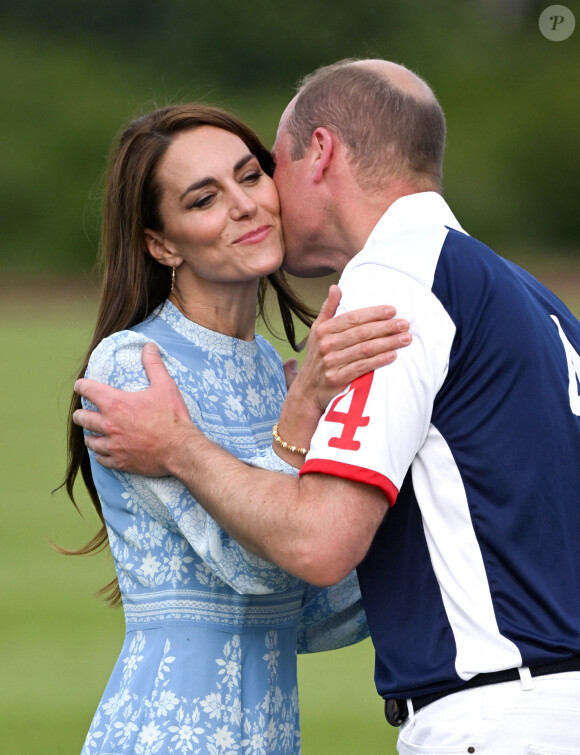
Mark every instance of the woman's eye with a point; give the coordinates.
(203, 201)
(253, 177)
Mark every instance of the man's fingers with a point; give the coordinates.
(161, 382)
(99, 447)
(98, 394)
(91, 421)
(153, 364)
(106, 461)
(97, 444)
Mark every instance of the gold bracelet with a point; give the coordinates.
(287, 446)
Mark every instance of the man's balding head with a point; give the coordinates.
(399, 76)
(387, 117)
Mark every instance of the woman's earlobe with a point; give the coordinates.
(160, 251)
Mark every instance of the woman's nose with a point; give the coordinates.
(242, 205)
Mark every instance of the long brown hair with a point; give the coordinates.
(133, 283)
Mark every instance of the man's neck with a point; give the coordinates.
(359, 218)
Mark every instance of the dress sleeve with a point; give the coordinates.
(332, 617)
(117, 362)
(269, 459)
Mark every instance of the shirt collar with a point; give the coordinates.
(409, 213)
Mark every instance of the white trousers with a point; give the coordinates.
(531, 716)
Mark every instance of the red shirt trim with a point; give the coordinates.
(352, 472)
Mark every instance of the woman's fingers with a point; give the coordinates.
(360, 333)
(330, 304)
(345, 365)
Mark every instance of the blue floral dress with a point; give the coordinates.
(209, 660)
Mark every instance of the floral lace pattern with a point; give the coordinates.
(217, 723)
(209, 660)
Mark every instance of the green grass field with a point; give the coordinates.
(59, 643)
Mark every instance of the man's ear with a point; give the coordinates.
(160, 250)
(323, 150)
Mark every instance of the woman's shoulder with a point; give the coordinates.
(117, 356)
(266, 348)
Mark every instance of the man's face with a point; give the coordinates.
(291, 187)
(302, 215)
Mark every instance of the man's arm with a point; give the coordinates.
(150, 433)
(317, 527)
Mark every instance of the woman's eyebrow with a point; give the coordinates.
(210, 179)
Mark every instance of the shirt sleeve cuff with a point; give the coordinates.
(352, 472)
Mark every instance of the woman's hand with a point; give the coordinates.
(290, 371)
(339, 350)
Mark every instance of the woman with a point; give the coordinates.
(191, 233)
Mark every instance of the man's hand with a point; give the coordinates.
(136, 432)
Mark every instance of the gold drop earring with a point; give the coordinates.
(172, 279)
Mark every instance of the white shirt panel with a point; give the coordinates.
(401, 395)
(457, 562)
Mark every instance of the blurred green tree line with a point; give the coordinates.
(74, 71)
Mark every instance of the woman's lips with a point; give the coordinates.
(255, 236)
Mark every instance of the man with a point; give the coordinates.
(470, 440)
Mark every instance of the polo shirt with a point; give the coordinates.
(473, 434)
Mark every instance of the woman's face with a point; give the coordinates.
(220, 212)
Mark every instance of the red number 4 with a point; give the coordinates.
(353, 418)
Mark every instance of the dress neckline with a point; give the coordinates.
(202, 336)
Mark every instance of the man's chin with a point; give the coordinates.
(304, 269)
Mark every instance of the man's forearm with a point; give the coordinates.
(251, 504)
(317, 527)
